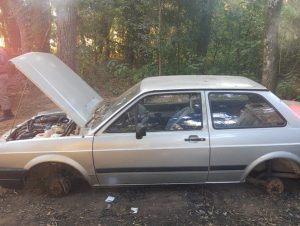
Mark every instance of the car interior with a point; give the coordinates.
(164, 113)
(243, 111)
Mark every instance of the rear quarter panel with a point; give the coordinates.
(236, 151)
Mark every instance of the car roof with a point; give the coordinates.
(211, 82)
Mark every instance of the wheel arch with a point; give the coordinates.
(44, 159)
(269, 156)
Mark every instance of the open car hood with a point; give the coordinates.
(62, 85)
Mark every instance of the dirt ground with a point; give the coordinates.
(212, 204)
(219, 204)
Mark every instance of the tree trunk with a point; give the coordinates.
(202, 26)
(105, 31)
(66, 30)
(159, 38)
(42, 12)
(200, 14)
(270, 68)
(34, 21)
(11, 29)
(22, 14)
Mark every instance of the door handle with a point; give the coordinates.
(194, 138)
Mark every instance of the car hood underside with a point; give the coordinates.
(62, 85)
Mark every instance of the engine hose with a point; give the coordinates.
(69, 129)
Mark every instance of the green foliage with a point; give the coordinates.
(288, 90)
(144, 71)
(119, 70)
(196, 37)
(237, 38)
(122, 70)
(289, 48)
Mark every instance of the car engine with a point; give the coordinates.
(45, 126)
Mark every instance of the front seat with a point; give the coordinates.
(187, 118)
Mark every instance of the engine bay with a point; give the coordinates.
(45, 126)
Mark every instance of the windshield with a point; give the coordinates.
(107, 108)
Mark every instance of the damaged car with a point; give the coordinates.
(188, 129)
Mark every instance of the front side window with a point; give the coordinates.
(243, 110)
(167, 112)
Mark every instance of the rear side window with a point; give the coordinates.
(243, 110)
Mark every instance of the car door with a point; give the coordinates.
(244, 126)
(174, 150)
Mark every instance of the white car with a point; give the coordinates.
(164, 130)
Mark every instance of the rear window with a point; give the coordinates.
(294, 106)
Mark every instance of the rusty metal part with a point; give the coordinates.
(271, 186)
(285, 166)
(58, 186)
(286, 175)
(256, 182)
(274, 186)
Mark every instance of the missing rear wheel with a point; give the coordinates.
(58, 186)
(274, 186)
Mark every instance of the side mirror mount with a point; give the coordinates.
(140, 131)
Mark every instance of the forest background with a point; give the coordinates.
(130, 40)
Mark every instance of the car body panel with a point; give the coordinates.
(62, 85)
(165, 157)
(198, 82)
(271, 156)
(74, 151)
(158, 158)
(294, 106)
(239, 148)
